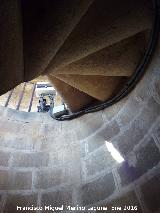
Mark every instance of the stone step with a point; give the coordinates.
(11, 45)
(99, 87)
(120, 59)
(104, 24)
(46, 27)
(75, 99)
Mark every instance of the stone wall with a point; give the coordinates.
(46, 162)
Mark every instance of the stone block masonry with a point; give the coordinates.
(43, 162)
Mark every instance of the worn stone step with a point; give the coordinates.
(47, 24)
(104, 24)
(120, 59)
(99, 87)
(75, 99)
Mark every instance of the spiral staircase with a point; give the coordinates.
(87, 48)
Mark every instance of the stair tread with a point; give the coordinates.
(117, 60)
(11, 45)
(75, 99)
(99, 87)
(102, 27)
(47, 24)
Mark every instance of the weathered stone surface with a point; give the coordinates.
(36, 159)
(157, 87)
(0, 198)
(47, 143)
(48, 178)
(153, 105)
(99, 161)
(150, 191)
(64, 155)
(130, 110)
(15, 180)
(127, 202)
(21, 201)
(52, 177)
(147, 157)
(18, 141)
(157, 132)
(21, 116)
(128, 139)
(97, 190)
(89, 124)
(62, 139)
(83, 150)
(14, 126)
(9, 126)
(94, 142)
(111, 111)
(4, 158)
(57, 198)
(138, 128)
(109, 131)
(50, 127)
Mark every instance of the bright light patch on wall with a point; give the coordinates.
(114, 152)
